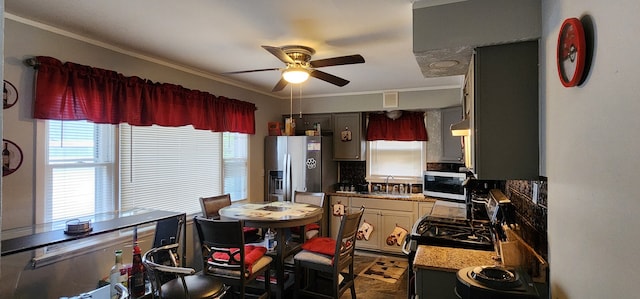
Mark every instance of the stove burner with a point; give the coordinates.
(494, 275)
(454, 233)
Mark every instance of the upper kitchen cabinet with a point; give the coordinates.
(348, 137)
(308, 121)
(504, 106)
(451, 145)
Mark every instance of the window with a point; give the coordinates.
(86, 171)
(404, 160)
(78, 170)
(235, 164)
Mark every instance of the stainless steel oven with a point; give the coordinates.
(433, 229)
(443, 184)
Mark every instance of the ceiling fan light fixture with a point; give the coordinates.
(295, 74)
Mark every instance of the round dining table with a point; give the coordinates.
(279, 216)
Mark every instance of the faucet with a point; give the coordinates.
(386, 182)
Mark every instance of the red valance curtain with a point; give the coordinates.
(71, 91)
(408, 127)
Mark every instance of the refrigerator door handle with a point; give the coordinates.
(287, 177)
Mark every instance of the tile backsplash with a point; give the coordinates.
(352, 172)
(529, 199)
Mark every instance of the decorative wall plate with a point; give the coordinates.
(345, 135)
(9, 95)
(571, 52)
(11, 157)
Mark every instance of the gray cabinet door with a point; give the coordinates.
(348, 137)
(506, 112)
(451, 145)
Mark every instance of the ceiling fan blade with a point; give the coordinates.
(277, 52)
(328, 77)
(351, 59)
(280, 85)
(251, 71)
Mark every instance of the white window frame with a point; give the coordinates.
(43, 168)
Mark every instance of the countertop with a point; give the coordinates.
(450, 259)
(412, 197)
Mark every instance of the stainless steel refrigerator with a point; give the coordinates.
(298, 163)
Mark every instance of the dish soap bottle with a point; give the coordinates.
(270, 238)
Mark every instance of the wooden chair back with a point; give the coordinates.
(211, 205)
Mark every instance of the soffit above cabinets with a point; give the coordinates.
(445, 32)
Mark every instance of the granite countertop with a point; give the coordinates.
(409, 197)
(451, 259)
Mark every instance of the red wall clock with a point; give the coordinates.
(571, 52)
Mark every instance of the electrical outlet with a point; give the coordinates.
(534, 196)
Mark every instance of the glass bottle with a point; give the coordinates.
(137, 278)
(118, 274)
(5, 96)
(6, 157)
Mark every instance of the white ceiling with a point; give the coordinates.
(217, 36)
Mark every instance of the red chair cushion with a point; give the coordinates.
(252, 254)
(322, 245)
(249, 230)
(312, 226)
(308, 227)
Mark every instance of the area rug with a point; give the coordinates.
(385, 269)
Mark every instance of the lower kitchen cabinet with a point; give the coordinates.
(424, 208)
(435, 284)
(384, 215)
(389, 220)
(334, 221)
(371, 217)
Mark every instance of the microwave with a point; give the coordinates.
(443, 184)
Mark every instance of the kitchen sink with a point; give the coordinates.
(394, 195)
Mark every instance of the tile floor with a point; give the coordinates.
(369, 288)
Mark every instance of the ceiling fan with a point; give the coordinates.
(299, 65)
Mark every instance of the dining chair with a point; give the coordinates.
(227, 257)
(168, 231)
(184, 284)
(211, 206)
(312, 198)
(333, 257)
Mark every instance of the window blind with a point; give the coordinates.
(169, 168)
(400, 159)
(235, 151)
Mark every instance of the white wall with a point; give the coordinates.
(591, 153)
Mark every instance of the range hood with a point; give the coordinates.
(445, 32)
(461, 128)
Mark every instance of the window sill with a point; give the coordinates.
(60, 252)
